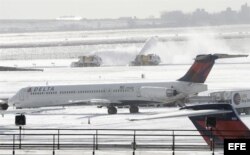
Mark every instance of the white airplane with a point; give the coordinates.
(116, 94)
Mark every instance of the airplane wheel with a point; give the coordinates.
(112, 110)
(134, 109)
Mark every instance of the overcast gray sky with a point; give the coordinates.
(50, 9)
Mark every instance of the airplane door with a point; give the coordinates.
(110, 93)
(138, 92)
(21, 95)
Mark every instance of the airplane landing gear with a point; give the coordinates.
(133, 109)
(112, 110)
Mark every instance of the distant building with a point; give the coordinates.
(69, 18)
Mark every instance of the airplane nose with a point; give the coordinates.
(12, 100)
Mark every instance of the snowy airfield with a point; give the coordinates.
(222, 77)
(231, 74)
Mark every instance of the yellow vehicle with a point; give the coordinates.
(87, 61)
(146, 60)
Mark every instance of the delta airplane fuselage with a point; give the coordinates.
(113, 93)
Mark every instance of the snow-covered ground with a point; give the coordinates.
(233, 76)
(94, 118)
(199, 40)
(222, 77)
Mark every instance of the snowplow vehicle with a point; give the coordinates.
(146, 60)
(87, 61)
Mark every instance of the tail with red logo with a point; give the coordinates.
(202, 66)
(216, 127)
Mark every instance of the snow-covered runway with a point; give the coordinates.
(222, 77)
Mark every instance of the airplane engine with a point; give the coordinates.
(157, 92)
(4, 106)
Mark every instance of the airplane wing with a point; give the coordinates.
(28, 111)
(18, 111)
(3, 100)
(103, 102)
(106, 102)
(182, 113)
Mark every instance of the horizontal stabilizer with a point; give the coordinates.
(220, 56)
(202, 66)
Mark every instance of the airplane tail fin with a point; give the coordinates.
(218, 127)
(203, 64)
